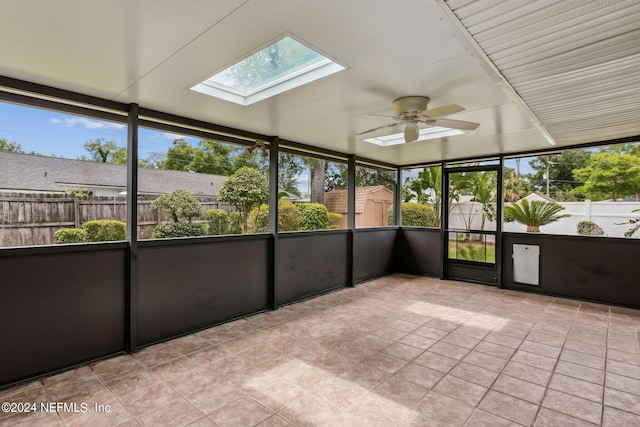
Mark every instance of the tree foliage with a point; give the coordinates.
(246, 189)
(289, 168)
(609, 175)
(516, 186)
(633, 221)
(102, 151)
(560, 168)
(207, 157)
(10, 147)
(533, 214)
(181, 205)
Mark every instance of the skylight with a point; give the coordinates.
(426, 133)
(279, 67)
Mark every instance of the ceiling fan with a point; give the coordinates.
(412, 110)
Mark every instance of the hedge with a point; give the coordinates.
(414, 215)
(178, 229)
(70, 235)
(105, 230)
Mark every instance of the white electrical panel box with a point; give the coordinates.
(526, 264)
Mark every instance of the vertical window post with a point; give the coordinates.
(132, 228)
(274, 155)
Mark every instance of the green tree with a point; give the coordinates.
(516, 186)
(181, 205)
(484, 191)
(609, 175)
(337, 177)
(102, 151)
(289, 169)
(246, 189)
(560, 169)
(10, 147)
(208, 156)
(534, 214)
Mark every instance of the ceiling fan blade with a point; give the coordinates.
(411, 133)
(383, 115)
(445, 110)
(452, 124)
(378, 128)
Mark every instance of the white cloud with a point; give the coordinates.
(87, 123)
(173, 136)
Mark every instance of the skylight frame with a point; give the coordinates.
(316, 70)
(433, 132)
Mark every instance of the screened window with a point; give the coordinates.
(312, 193)
(421, 197)
(62, 177)
(590, 192)
(191, 186)
(375, 189)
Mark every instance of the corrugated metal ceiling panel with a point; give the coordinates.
(575, 63)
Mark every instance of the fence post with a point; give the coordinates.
(76, 211)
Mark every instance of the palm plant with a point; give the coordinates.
(533, 214)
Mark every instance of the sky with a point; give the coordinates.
(51, 132)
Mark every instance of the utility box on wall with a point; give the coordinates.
(526, 264)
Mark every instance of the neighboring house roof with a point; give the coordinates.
(540, 197)
(336, 201)
(26, 172)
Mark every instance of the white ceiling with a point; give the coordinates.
(577, 70)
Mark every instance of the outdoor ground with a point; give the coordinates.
(397, 351)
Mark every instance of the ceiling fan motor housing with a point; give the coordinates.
(410, 106)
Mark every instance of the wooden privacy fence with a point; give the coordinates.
(28, 219)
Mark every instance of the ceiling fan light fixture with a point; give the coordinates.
(411, 132)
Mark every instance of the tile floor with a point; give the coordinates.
(397, 351)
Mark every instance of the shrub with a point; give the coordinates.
(217, 221)
(314, 216)
(179, 204)
(259, 219)
(178, 229)
(246, 189)
(70, 235)
(289, 217)
(334, 217)
(415, 215)
(533, 214)
(105, 230)
(589, 228)
(235, 223)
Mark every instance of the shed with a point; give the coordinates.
(372, 205)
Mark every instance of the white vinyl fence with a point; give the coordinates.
(606, 214)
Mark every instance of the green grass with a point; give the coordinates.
(471, 251)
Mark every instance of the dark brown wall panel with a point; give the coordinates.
(373, 253)
(60, 307)
(590, 268)
(418, 251)
(310, 263)
(188, 286)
